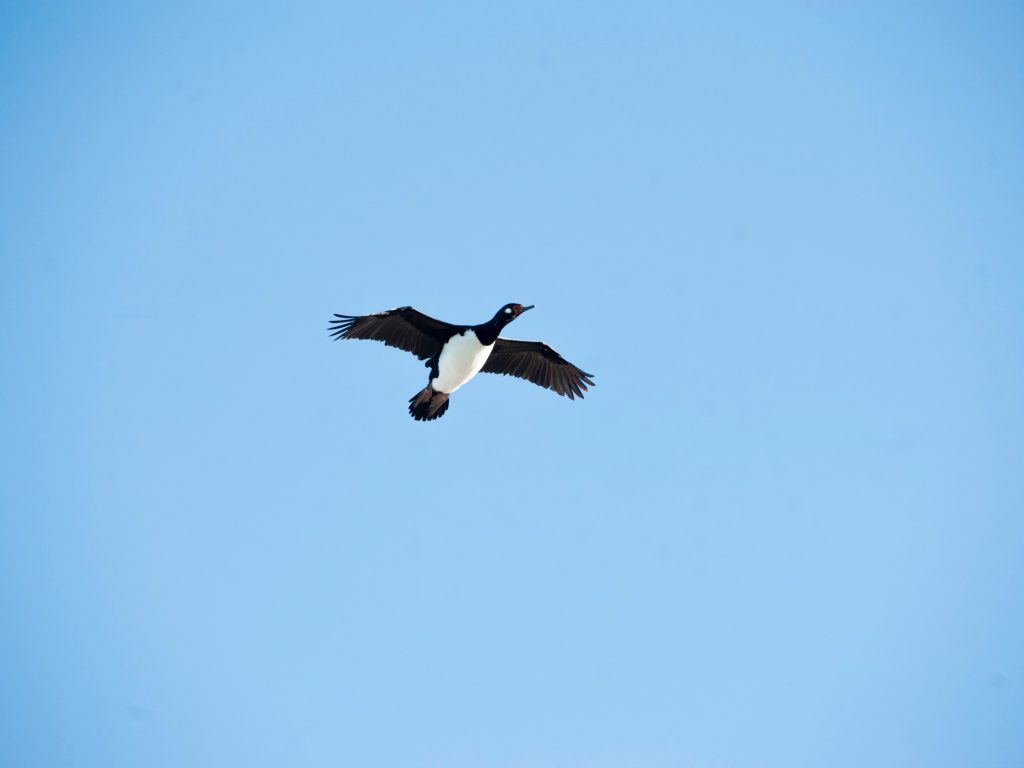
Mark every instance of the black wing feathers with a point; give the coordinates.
(537, 362)
(404, 328)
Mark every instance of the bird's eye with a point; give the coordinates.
(508, 309)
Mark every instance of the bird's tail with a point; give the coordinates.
(428, 404)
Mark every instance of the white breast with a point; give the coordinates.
(461, 359)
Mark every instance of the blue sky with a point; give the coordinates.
(785, 528)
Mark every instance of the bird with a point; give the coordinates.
(456, 353)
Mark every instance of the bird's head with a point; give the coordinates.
(510, 312)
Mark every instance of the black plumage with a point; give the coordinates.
(405, 328)
(537, 362)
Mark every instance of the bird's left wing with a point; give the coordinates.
(537, 362)
(405, 328)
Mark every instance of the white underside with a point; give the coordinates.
(461, 360)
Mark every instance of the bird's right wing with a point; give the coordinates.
(537, 362)
(405, 328)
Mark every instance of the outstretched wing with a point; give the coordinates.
(537, 362)
(404, 328)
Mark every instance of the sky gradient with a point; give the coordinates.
(784, 529)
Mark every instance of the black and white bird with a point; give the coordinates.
(457, 353)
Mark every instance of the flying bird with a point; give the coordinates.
(457, 353)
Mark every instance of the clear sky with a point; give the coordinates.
(785, 529)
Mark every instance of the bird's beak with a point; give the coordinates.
(523, 309)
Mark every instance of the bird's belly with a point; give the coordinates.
(461, 359)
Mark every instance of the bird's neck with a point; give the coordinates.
(488, 332)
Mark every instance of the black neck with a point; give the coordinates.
(488, 332)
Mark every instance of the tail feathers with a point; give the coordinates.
(428, 405)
